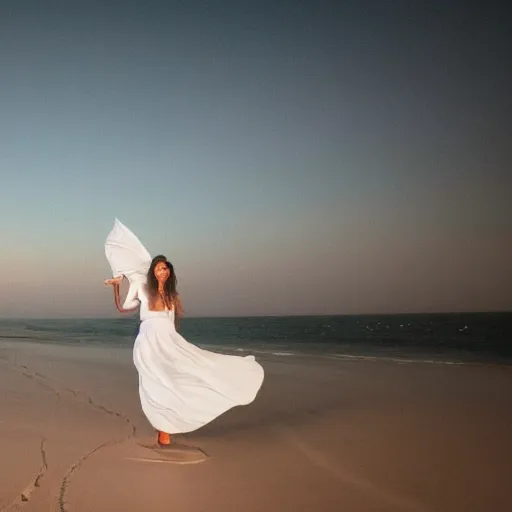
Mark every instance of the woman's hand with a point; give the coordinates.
(114, 281)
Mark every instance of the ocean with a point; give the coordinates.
(449, 338)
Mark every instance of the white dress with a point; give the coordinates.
(181, 386)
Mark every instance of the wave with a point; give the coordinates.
(337, 356)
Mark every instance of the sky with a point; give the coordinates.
(289, 158)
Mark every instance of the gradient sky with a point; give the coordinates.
(288, 157)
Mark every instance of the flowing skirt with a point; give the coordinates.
(183, 387)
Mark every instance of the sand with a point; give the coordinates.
(321, 436)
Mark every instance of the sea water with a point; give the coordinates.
(462, 337)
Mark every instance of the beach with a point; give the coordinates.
(322, 435)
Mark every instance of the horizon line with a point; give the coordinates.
(301, 315)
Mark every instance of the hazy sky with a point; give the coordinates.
(288, 157)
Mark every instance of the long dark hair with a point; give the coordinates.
(170, 291)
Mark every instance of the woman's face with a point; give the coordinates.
(162, 272)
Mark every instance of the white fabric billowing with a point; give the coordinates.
(127, 257)
(181, 386)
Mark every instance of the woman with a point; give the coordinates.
(181, 386)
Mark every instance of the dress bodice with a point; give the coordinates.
(146, 313)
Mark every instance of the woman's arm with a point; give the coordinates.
(117, 300)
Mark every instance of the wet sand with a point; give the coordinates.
(322, 435)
